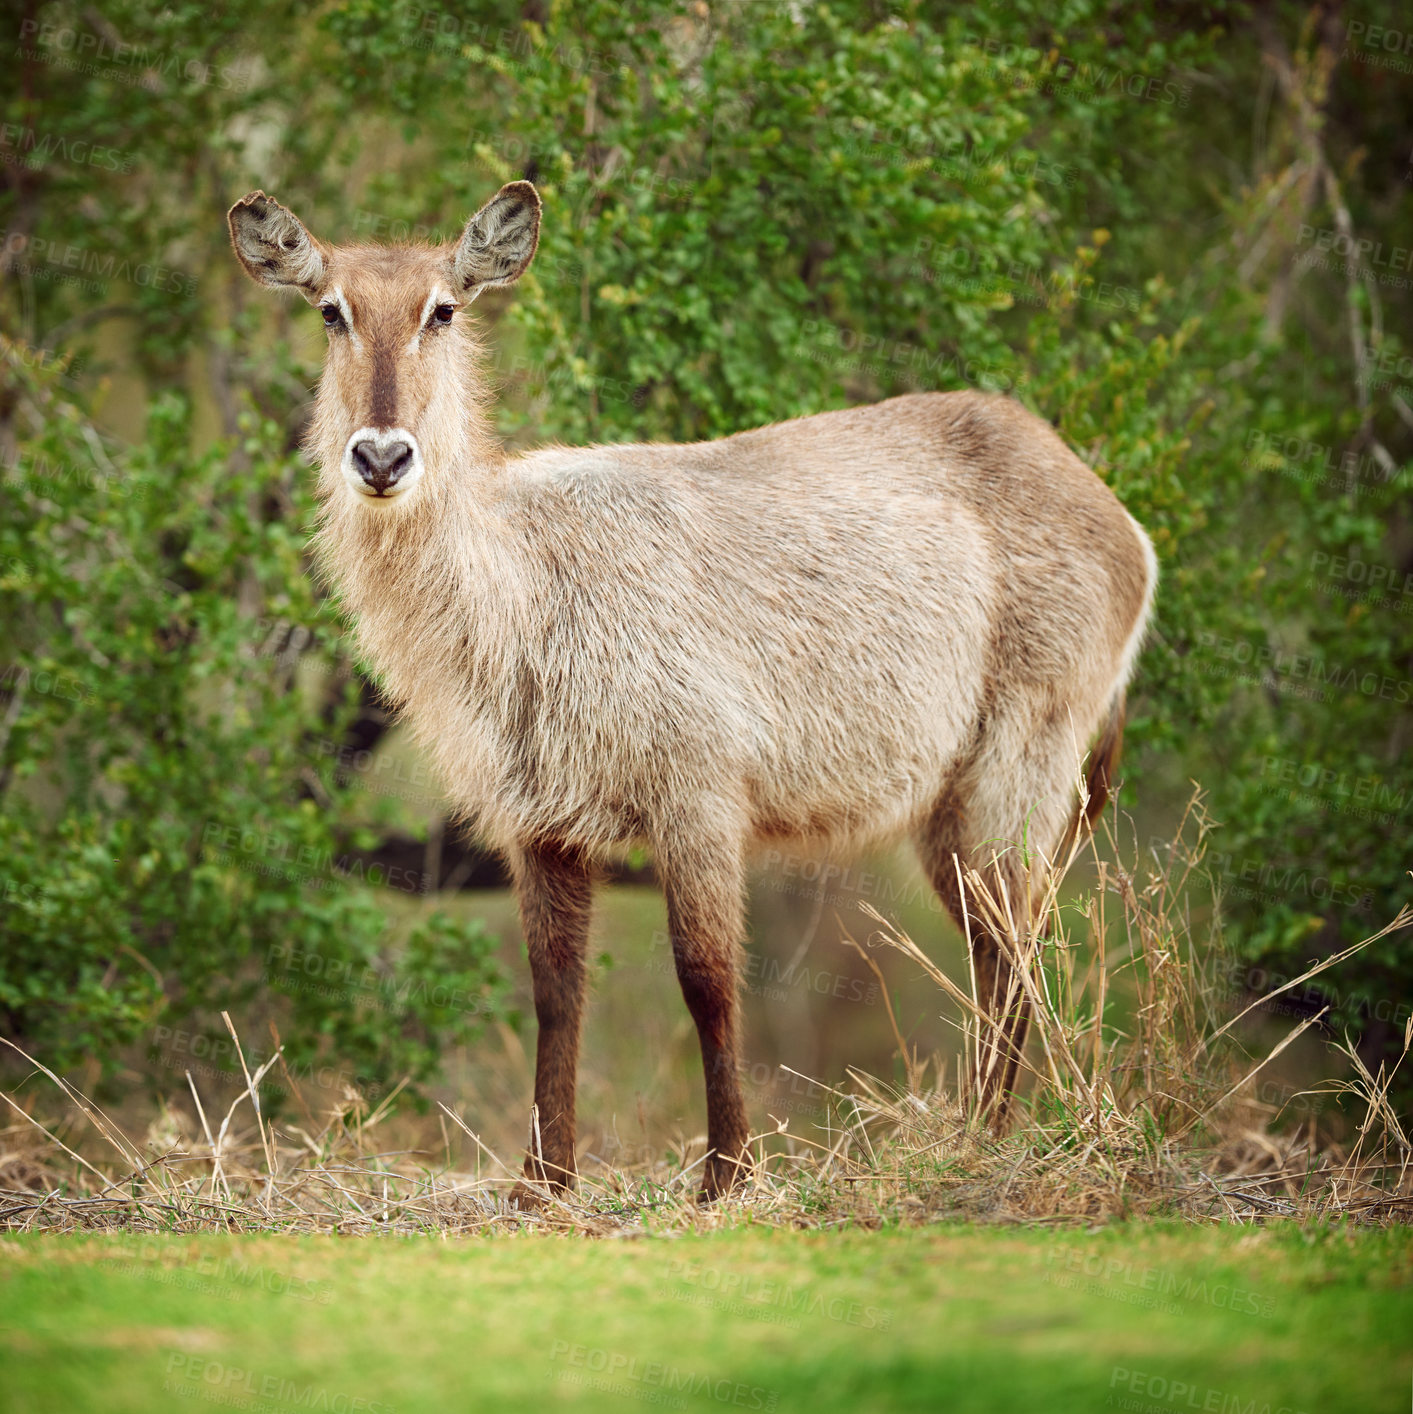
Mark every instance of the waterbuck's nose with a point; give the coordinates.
(382, 464)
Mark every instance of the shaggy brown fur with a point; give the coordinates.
(901, 619)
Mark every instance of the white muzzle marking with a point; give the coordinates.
(378, 460)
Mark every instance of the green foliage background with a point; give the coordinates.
(752, 211)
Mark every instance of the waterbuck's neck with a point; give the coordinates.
(434, 579)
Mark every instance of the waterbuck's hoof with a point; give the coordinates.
(535, 1191)
(724, 1177)
(528, 1199)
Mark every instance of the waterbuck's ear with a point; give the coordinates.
(499, 241)
(273, 246)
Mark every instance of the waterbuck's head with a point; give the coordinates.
(397, 395)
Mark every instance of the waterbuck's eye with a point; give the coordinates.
(332, 317)
(442, 314)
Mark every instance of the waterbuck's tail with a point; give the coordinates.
(1103, 768)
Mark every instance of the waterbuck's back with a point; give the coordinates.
(802, 628)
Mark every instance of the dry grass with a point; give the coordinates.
(1146, 1115)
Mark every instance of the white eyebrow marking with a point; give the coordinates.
(336, 294)
(437, 296)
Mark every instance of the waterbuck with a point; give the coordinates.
(901, 619)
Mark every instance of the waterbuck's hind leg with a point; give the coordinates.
(997, 994)
(951, 833)
(1004, 1000)
(706, 919)
(554, 886)
(1014, 819)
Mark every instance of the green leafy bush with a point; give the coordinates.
(170, 839)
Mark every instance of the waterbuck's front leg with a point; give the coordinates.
(707, 921)
(554, 886)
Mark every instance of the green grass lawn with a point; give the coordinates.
(1158, 1319)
